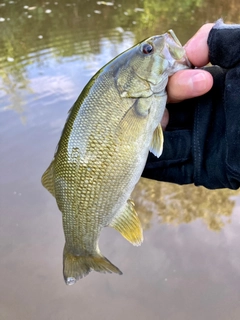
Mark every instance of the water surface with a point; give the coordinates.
(189, 264)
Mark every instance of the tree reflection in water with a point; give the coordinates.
(183, 204)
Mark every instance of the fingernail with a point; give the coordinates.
(198, 82)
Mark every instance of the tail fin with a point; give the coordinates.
(77, 267)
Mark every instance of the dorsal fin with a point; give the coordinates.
(48, 179)
(128, 224)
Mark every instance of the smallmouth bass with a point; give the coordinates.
(104, 147)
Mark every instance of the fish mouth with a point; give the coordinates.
(177, 49)
(172, 49)
(172, 34)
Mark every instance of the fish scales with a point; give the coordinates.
(103, 149)
(90, 159)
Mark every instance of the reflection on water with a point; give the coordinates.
(31, 36)
(183, 204)
(183, 270)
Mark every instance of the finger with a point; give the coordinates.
(197, 48)
(186, 84)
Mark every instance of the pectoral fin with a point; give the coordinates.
(157, 142)
(128, 224)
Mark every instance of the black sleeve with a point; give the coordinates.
(202, 140)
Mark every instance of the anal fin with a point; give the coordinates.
(128, 224)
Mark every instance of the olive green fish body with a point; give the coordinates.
(104, 147)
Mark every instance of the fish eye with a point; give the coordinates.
(147, 48)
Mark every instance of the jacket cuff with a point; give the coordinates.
(224, 44)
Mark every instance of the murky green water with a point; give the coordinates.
(189, 264)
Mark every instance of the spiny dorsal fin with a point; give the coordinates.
(128, 224)
(157, 141)
(48, 179)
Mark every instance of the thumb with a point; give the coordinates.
(186, 84)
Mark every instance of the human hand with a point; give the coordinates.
(201, 142)
(191, 83)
